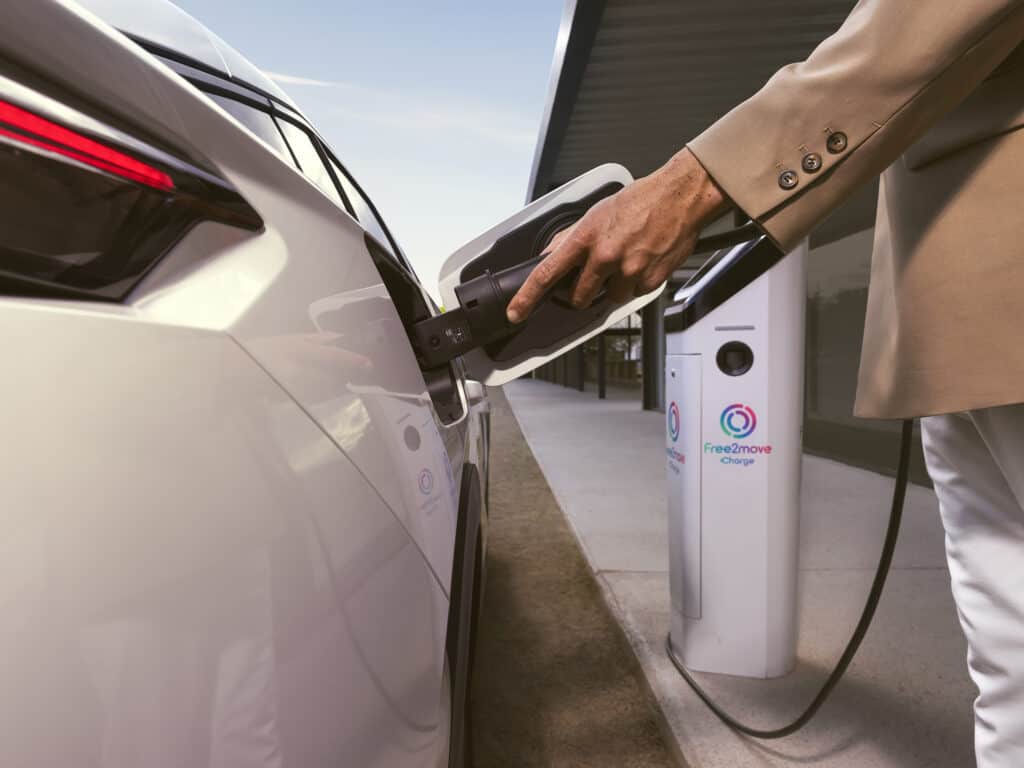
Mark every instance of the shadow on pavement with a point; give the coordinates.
(555, 682)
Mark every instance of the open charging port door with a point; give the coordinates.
(477, 282)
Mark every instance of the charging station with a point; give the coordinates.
(734, 408)
(734, 397)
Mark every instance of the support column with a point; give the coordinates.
(652, 354)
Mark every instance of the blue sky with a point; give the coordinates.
(434, 106)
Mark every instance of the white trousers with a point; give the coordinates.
(976, 460)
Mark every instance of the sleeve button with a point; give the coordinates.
(836, 142)
(788, 179)
(811, 162)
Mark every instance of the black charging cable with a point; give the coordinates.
(885, 561)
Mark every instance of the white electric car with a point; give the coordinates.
(232, 506)
(242, 524)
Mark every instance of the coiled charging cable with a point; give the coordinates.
(884, 562)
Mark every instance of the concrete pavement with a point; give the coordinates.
(906, 700)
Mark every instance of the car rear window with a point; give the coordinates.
(310, 162)
(257, 121)
(364, 213)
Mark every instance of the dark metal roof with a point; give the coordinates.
(634, 80)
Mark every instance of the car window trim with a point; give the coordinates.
(266, 108)
(329, 160)
(334, 161)
(209, 81)
(226, 93)
(318, 147)
(169, 54)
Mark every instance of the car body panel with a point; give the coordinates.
(307, 303)
(280, 285)
(206, 579)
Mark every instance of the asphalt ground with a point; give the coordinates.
(555, 682)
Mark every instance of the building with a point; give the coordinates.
(631, 82)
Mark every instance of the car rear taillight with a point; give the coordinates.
(21, 126)
(86, 209)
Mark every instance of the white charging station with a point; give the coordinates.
(734, 407)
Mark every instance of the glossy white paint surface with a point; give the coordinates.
(305, 300)
(193, 573)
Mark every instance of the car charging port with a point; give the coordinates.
(480, 317)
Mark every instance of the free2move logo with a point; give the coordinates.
(673, 422)
(738, 421)
(674, 425)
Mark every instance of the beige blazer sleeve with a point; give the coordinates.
(821, 128)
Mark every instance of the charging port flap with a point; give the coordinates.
(478, 280)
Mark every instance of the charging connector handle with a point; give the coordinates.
(478, 320)
(480, 317)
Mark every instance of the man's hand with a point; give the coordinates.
(632, 240)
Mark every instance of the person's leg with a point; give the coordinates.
(976, 461)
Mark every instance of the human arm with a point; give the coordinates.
(860, 99)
